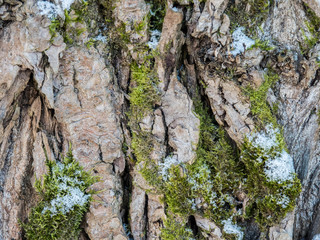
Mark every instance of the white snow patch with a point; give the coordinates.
(100, 38)
(284, 201)
(53, 10)
(166, 165)
(69, 193)
(66, 203)
(316, 237)
(175, 9)
(66, 4)
(265, 139)
(240, 41)
(154, 39)
(48, 9)
(231, 228)
(280, 168)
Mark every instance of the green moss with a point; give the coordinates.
(215, 151)
(47, 223)
(65, 28)
(143, 91)
(313, 18)
(318, 114)
(313, 26)
(263, 45)
(108, 7)
(141, 26)
(143, 97)
(213, 177)
(142, 145)
(260, 109)
(174, 229)
(122, 35)
(177, 191)
(309, 41)
(54, 28)
(218, 172)
(90, 43)
(265, 196)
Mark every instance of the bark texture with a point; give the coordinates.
(53, 93)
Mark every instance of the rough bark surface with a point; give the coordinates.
(53, 94)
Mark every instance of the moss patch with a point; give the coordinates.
(268, 200)
(64, 201)
(66, 27)
(263, 45)
(143, 90)
(174, 229)
(261, 111)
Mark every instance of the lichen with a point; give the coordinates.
(154, 39)
(54, 10)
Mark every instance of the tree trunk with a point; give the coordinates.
(74, 82)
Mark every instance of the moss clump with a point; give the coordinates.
(142, 145)
(143, 91)
(216, 169)
(263, 45)
(64, 201)
(65, 28)
(54, 28)
(260, 109)
(174, 229)
(213, 177)
(143, 97)
(108, 7)
(269, 198)
(219, 174)
(177, 192)
(141, 26)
